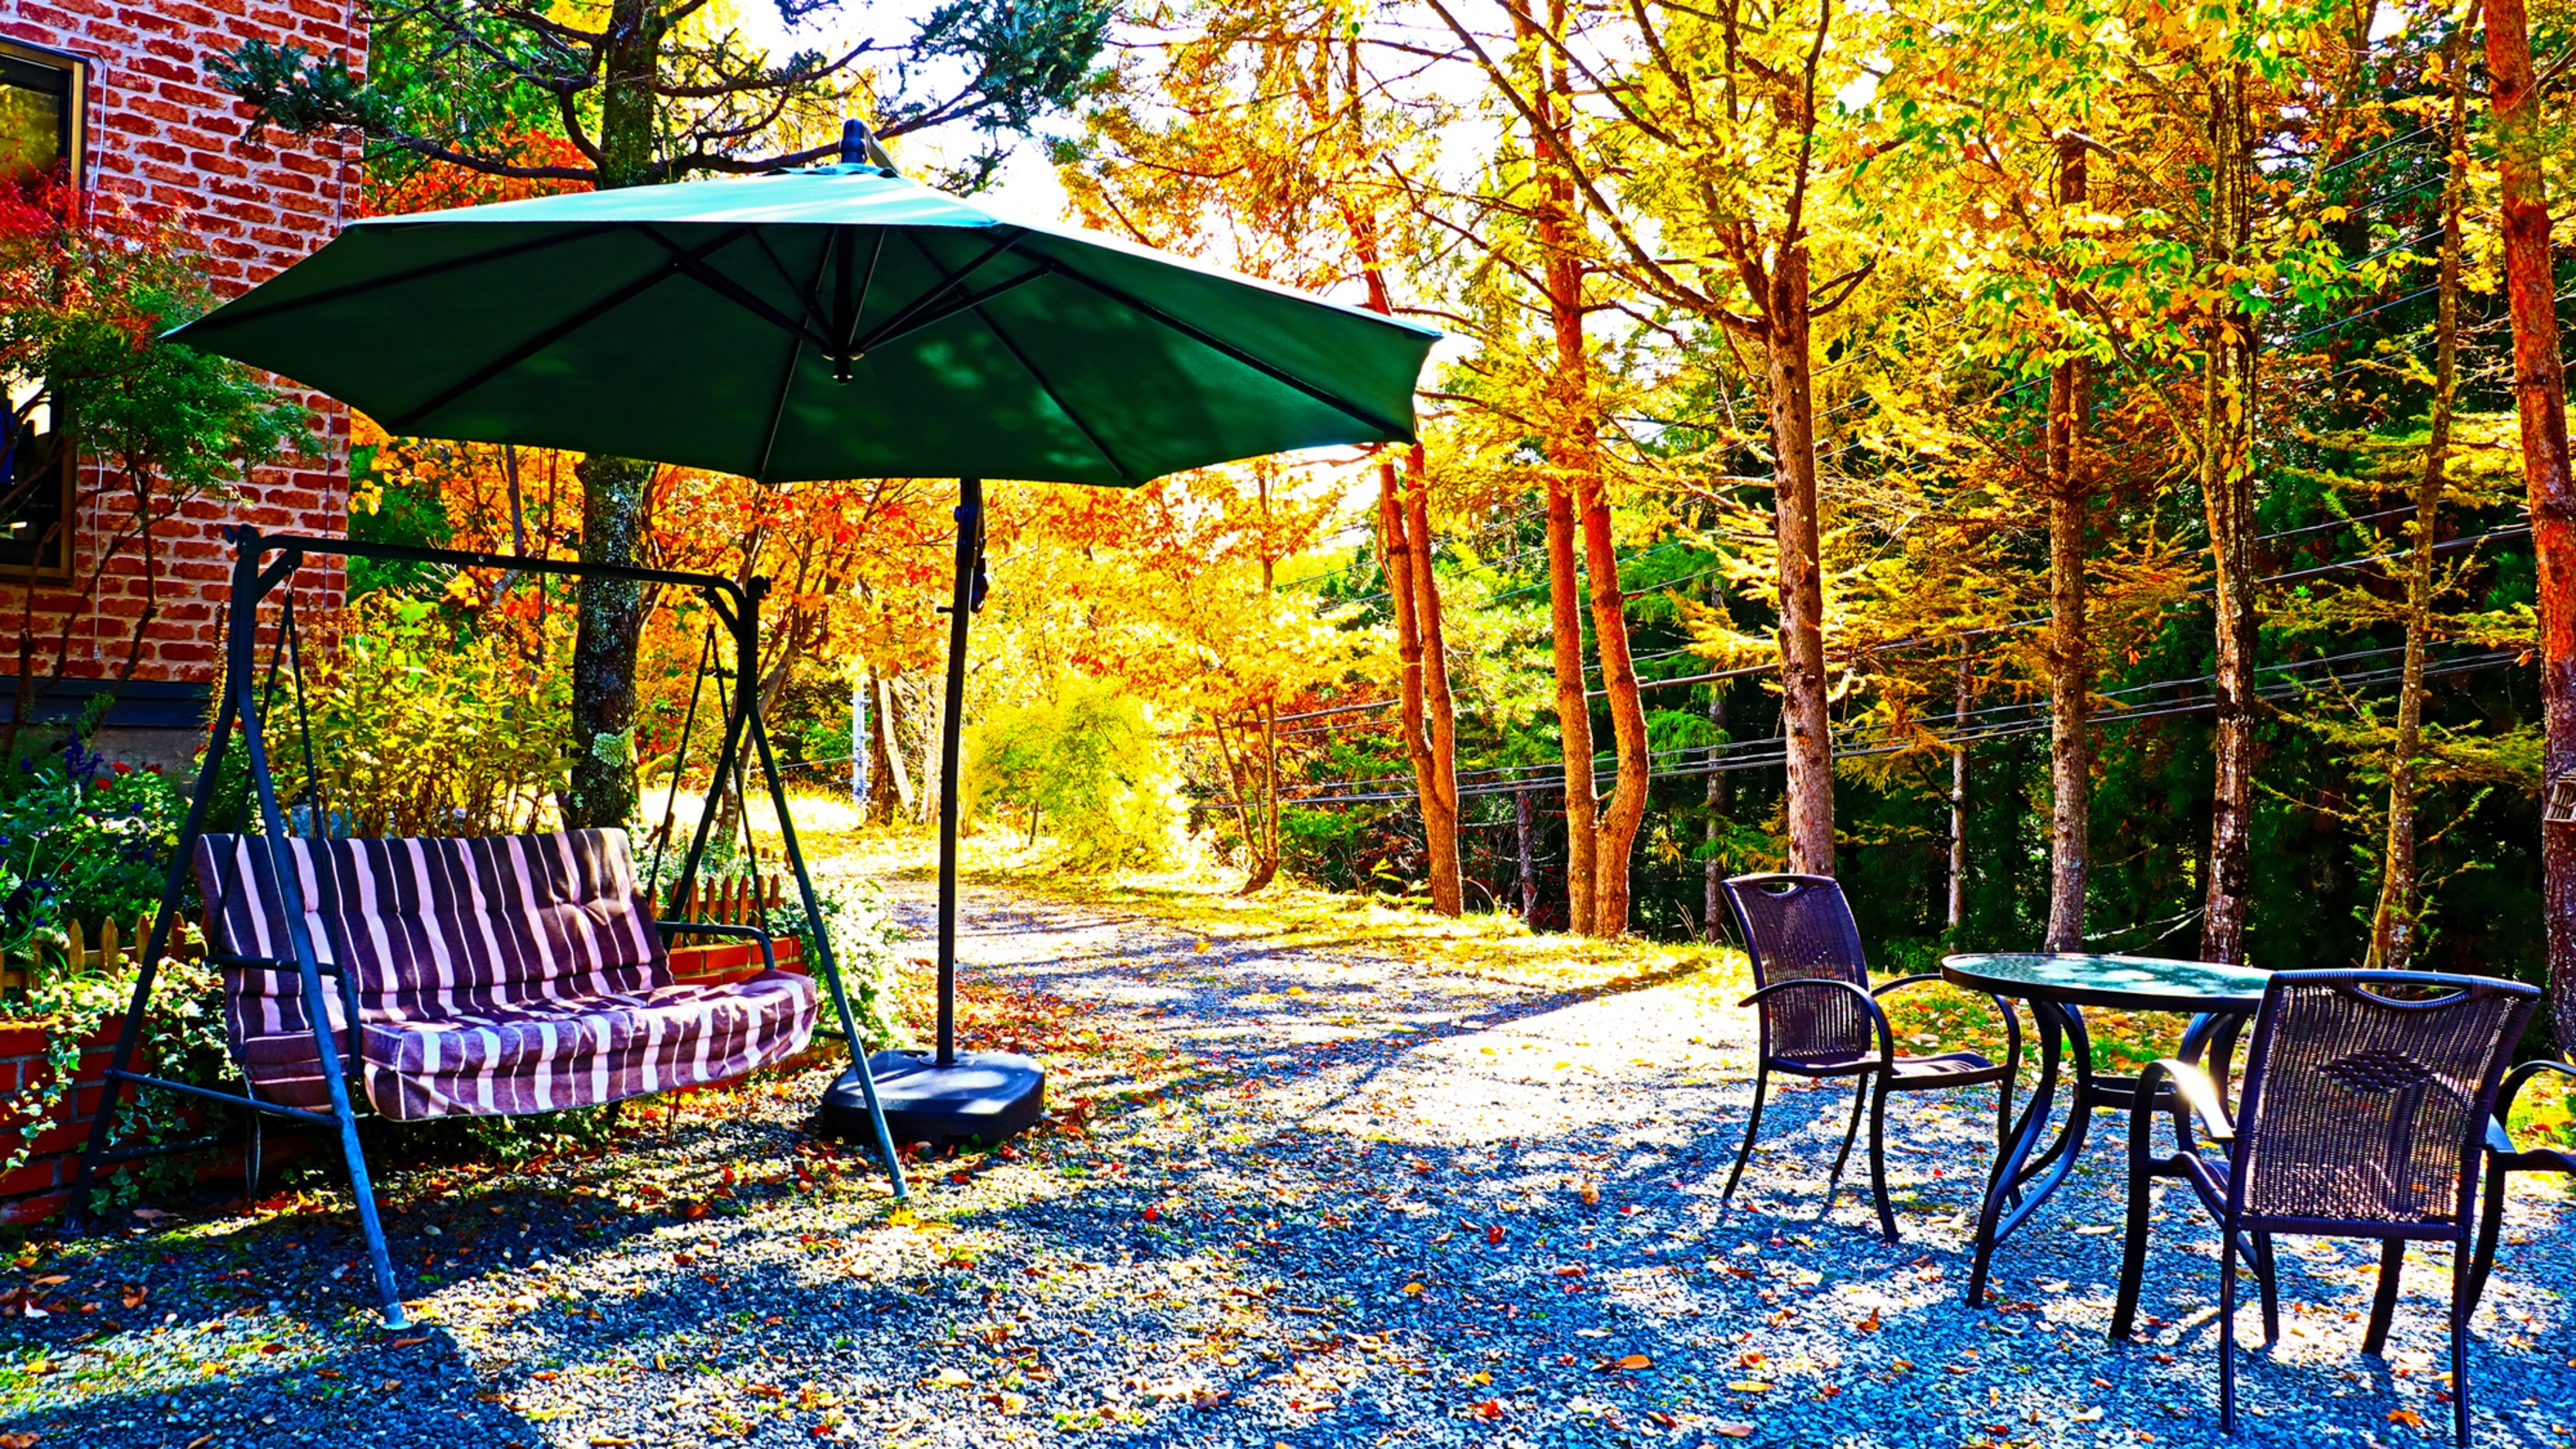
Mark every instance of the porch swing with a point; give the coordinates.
(482, 975)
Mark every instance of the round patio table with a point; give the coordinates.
(2058, 987)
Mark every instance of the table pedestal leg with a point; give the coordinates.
(2007, 1206)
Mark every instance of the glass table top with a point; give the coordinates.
(2134, 981)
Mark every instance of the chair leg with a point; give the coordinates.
(2490, 1231)
(2227, 1328)
(1860, 1099)
(2463, 1302)
(250, 1168)
(2383, 1304)
(2133, 1256)
(1878, 1155)
(1752, 1128)
(2271, 1285)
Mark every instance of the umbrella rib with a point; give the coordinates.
(1013, 348)
(971, 302)
(1395, 431)
(543, 340)
(804, 296)
(867, 284)
(228, 317)
(694, 265)
(947, 284)
(795, 354)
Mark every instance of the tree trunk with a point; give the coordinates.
(602, 793)
(1439, 790)
(1713, 871)
(1527, 832)
(1627, 805)
(1573, 471)
(2070, 655)
(1573, 710)
(2540, 397)
(2227, 495)
(611, 620)
(1804, 722)
(2393, 924)
(1396, 550)
(888, 748)
(1404, 515)
(1959, 797)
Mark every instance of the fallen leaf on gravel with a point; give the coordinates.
(1733, 1431)
(1629, 1363)
(1412, 1288)
(1570, 1271)
(955, 1378)
(607, 1441)
(133, 1297)
(2407, 1417)
(53, 1279)
(1591, 1195)
(29, 1441)
(201, 1441)
(1869, 1324)
(1487, 1409)
(2087, 1416)
(1750, 1386)
(1494, 1233)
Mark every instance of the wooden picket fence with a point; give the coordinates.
(103, 947)
(732, 902)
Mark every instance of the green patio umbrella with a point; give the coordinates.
(833, 322)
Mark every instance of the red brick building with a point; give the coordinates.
(117, 91)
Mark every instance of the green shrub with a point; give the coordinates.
(80, 840)
(1083, 766)
(423, 724)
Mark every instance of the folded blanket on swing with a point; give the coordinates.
(494, 975)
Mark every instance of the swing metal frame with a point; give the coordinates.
(239, 709)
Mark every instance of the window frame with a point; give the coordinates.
(76, 68)
(76, 71)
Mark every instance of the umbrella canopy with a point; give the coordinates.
(838, 322)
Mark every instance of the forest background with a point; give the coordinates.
(2069, 470)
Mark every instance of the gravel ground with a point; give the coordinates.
(1299, 1197)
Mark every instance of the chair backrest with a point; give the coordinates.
(2367, 1094)
(1797, 927)
(429, 927)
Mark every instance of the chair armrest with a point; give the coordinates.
(1869, 1003)
(768, 956)
(2196, 1090)
(2003, 1008)
(2515, 1080)
(714, 928)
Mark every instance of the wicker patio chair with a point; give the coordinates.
(1820, 1017)
(2364, 1114)
(2504, 1158)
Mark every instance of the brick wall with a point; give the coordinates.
(163, 140)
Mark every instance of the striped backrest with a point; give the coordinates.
(432, 927)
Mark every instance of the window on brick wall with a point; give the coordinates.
(42, 107)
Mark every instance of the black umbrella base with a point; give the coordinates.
(985, 1097)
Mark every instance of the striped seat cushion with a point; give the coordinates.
(498, 974)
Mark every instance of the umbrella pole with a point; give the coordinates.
(962, 602)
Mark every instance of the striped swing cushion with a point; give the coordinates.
(495, 975)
